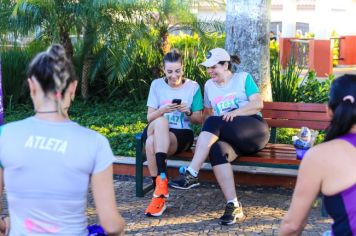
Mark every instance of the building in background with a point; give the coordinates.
(305, 29)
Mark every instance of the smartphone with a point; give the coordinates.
(177, 101)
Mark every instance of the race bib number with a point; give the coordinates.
(175, 119)
(225, 105)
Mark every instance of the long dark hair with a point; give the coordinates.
(343, 105)
(53, 71)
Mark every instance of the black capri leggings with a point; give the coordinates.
(242, 135)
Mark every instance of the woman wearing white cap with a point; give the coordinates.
(233, 126)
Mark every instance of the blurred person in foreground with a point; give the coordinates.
(47, 160)
(329, 168)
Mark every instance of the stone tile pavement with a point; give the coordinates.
(195, 211)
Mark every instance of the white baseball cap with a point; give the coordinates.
(215, 56)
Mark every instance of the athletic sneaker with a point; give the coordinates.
(184, 181)
(231, 214)
(157, 207)
(161, 189)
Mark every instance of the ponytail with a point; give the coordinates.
(344, 117)
(234, 59)
(343, 105)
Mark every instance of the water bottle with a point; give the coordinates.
(303, 142)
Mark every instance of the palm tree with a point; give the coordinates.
(170, 15)
(55, 17)
(94, 19)
(247, 35)
(6, 7)
(103, 23)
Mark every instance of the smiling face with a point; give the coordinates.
(174, 73)
(217, 72)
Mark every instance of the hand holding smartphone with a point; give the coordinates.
(177, 101)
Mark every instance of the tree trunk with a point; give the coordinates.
(66, 42)
(247, 36)
(85, 77)
(165, 47)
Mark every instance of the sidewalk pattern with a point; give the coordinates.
(195, 211)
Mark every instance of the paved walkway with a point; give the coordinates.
(195, 211)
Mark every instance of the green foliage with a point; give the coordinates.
(285, 83)
(335, 47)
(313, 91)
(274, 51)
(284, 135)
(14, 62)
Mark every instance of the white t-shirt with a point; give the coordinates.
(162, 94)
(47, 168)
(230, 96)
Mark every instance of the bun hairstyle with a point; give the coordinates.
(343, 105)
(234, 59)
(172, 56)
(54, 72)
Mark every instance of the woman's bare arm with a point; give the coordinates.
(105, 201)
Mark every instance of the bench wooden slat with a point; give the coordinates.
(289, 106)
(268, 160)
(295, 115)
(318, 125)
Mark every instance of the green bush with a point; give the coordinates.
(284, 135)
(14, 62)
(313, 91)
(285, 83)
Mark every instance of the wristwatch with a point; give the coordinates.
(190, 113)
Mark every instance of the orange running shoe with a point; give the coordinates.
(157, 207)
(161, 189)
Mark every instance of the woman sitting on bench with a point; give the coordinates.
(233, 126)
(330, 167)
(173, 104)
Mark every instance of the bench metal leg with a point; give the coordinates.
(139, 166)
(140, 158)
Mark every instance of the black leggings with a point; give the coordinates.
(242, 135)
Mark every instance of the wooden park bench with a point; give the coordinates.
(277, 115)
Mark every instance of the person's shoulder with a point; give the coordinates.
(191, 82)
(18, 123)
(209, 82)
(157, 81)
(326, 150)
(241, 75)
(89, 133)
